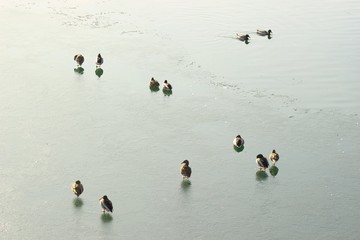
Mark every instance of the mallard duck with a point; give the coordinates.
(77, 188)
(238, 141)
(242, 37)
(154, 83)
(185, 170)
(167, 86)
(106, 204)
(99, 60)
(274, 156)
(79, 59)
(264, 32)
(262, 162)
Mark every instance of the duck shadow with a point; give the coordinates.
(238, 149)
(154, 88)
(273, 170)
(78, 202)
(99, 72)
(185, 185)
(79, 70)
(167, 92)
(244, 41)
(106, 217)
(261, 175)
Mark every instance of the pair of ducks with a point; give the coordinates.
(105, 202)
(263, 163)
(155, 84)
(79, 59)
(246, 37)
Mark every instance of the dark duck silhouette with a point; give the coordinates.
(77, 188)
(264, 32)
(262, 162)
(185, 170)
(79, 59)
(106, 204)
(238, 141)
(167, 86)
(99, 60)
(154, 83)
(274, 156)
(243, 37)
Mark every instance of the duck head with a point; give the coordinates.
(186, 162)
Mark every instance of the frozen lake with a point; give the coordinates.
(297, 92)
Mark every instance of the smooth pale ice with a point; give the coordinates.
(297, 92)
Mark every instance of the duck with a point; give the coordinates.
(238, 141)
(106, 204)
(274, 156)
(242, 37)
(79, 59)
(154, 83)
(264, 32)
(167, 86)
(262, 162)
(77, 188)
(185, 170)
(99, 60)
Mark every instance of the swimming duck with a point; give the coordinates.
(185, 170)
(264, 32)
(262, 162)
(99, 60)
(242, 37)
(274, 156)
(77, 188)
(167, 86)
(79, 59)
(238, 141)
(106, 204)
(154, 83)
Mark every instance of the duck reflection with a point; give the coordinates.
(185, 185)
(273, 170)
(99, 72)
(78, 202)
(261, 175)
(79, 70)
(154, 88)
(238, 149)
(105, 217)
(167, 92)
